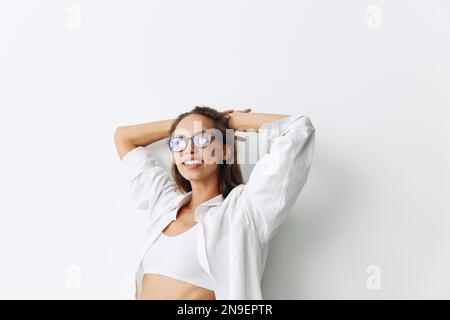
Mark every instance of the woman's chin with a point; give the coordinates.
(192, 176)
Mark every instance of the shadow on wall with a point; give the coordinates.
(320, 213)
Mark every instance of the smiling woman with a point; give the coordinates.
(199, 149)
(209, 232)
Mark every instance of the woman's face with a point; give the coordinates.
(210, 156)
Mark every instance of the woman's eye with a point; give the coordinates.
(203, 139)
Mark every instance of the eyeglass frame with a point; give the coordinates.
(236, 138)
(213, 137)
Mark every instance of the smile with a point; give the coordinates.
(192, 164)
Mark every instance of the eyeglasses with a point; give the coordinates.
(199, 140)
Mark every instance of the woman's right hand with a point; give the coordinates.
(231, 113)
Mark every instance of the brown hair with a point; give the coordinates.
(230, 174)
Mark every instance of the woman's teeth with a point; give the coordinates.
(192, 162)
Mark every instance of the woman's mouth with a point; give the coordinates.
(193, 164)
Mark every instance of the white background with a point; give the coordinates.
(373, 76)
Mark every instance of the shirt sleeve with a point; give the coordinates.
(148, 183)
(279, 175)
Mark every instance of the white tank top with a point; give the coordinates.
(176, 257)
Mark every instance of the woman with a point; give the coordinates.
(208, 232)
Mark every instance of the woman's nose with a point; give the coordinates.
(189, 148)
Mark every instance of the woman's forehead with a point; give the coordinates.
(193, 124)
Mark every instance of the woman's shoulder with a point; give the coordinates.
(233, 196)
(236, 191)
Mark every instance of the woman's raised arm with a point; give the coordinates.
(245, 121)
(278, 177)
(129, 137)
(148, 182)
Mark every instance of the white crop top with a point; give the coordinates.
(176, 257)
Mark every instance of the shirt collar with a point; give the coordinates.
(186, 197)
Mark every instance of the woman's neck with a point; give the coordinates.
(202, 193)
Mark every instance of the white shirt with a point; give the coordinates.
(233, 233)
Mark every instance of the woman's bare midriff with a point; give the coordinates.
(161, 287)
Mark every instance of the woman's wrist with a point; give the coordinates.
(252, 121)
(239, 121)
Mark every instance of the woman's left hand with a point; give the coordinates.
(231, 112)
